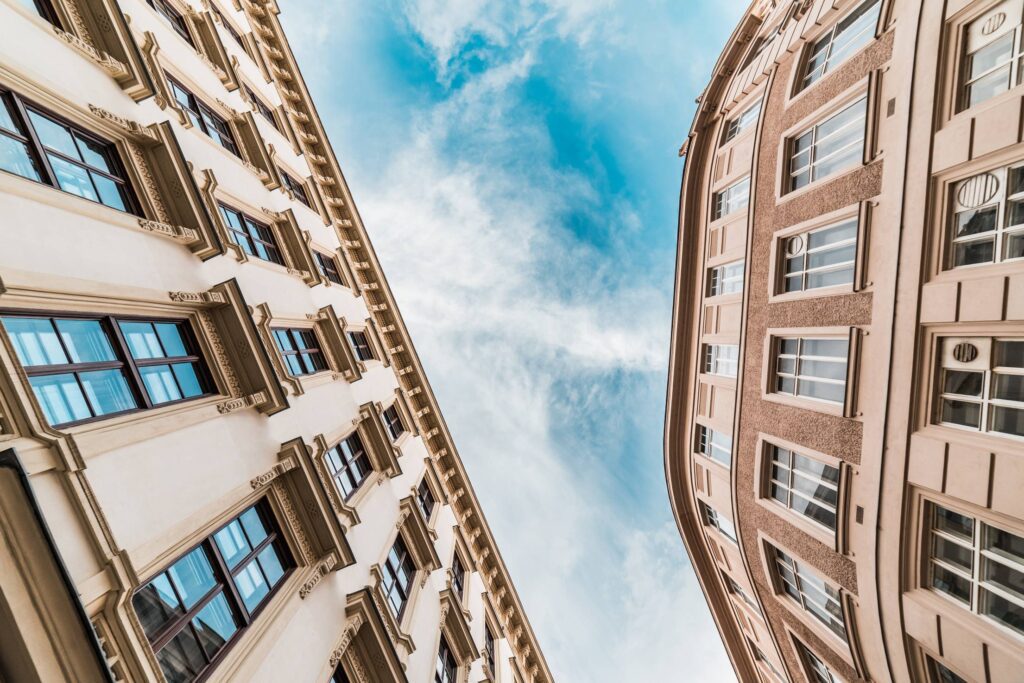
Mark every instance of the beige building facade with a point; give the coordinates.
(845, 424)
(220, 458)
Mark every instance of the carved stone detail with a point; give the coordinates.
(350, 632)
(250, 401)
(149, 183)
(112, 66)
(295, 524)
(130, 127)
(323, 568)
(224, 363)
(178, 233)
(197, 297)
(272, 474)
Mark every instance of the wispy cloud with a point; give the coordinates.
(523, 267)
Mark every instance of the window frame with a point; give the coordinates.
(175, 19)
(327, 271)
(428, 512)
(801, 83)
(718, 278)
(770, 377)
(443, 673)
(264, 109)
(125, 362)
(721, 201)
(711, 518)
(388, 422)
(742, 122)
(713, 362)
(251, 225)
(295, 334)
(704, 445)
(349, 469)
(811, 126)
(962, 59)
(200, 115)
(813, 665)
(783, 256)
(357, 347)
(38, 152)
(771, 555)
(389, 573)
(985, 400)
(999, 235)
(46, 11)
(276, 537)
(296, 187)
(770, 447)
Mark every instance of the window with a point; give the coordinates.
(204, 118)
(82, 368)
(193, 609)
(297, 188)
(817, 671)
(46, 149)
(938, 673)
(446, 666)
(301, 351)
(836, 46)
(393, 422)
(727, 279)
(340, 676)
(173, 17)
(823, 257)
(806, 486)
(721, 359)
(991, 57)
(737, 589)
(260, 105)
(489, 649)
(349, 465)
(235, 35)
(830, 147)
(714, 445)
(742, 122)
(812, 368)
(987, 225)
(731, 199)
(255, 238)
(982, 385)
(360, 345)
(425, 499)
(814, 595)
(979, 565)
(761, 660)
(328, 267)
(712, 518)
(44, 9)
(398, 575)
(458, 575)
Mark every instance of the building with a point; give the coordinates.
(845, 415)
(220, 458)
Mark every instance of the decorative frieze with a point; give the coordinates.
(350, 632)
(113, 67)
(179, 233)
(272, 474)
(197, 297)
(136, 130)
(323, 568)
(250, 401)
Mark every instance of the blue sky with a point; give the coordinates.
(515, 164)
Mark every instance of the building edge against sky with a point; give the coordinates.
(845, 410)
(220, 457)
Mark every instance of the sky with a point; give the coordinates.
(515, 163)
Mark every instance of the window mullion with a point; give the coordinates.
(229, 582)
(122, 350)
(36, 146)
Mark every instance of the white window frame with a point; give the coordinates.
(721, 360)
(742, 122)
(810, 589)
(708, 445)
(736, 589)
(985, 365)
(793, 247)
(973, 190)
(713, 519)
(829, 39)
(761, 660)
(981, 556)
(726, 278)
(814, 159)
(816, 669)
(973, 43)
(798, 359)
(734, 198)
(793, 472)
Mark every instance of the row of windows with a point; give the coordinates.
(83, 367)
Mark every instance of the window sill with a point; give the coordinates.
(789, 196)
(816, 293)
(837, 409)
(819, 533)
(968, 436)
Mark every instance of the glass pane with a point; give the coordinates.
(828, 348)
(7, 117)
(971, 253)
(294, 365)
(253, 526)
(232, 543)
(73, 178)
(284, 340)
(848, 158)
(1010, 354)
(251, 586)
(823, 369)
(989, 86)
(1005, 577)
(961, 413)
(1008, 420)
(990, 56)
(142, 340)
(188, 381)
(181, 659)
(831, 257)
(835, 393)
(160, 384)
(843, 276)
(962, 382)
(271, 564)
(1008, 387)
(1005, 544)
(35, 341)
(193, 576)
(954, 523)
(976, 222)
(842, 119)
(215, 624)
(953, 553)
(950, 583)
(231, 218)
(1002, 609)
(1014, 246)
(53, 135)
(156, 604)
(15, 158)
(110, 192)
(1014, 212)
(60, 398)
(86, 341)
(170, 337)
(94, 154)
(108, 391)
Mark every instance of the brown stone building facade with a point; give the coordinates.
(220, 458)
(845, 423)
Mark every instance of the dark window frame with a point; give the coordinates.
(354, 470)
(225, 585)
(459, 576)
(174, 18)
(361, 345)
(446, 668)
(489, 649)
(296, 335)
(46, 10)
(38, 153)
(232, 31)
(205, 118)
(390, 417)
(391, 583)
(296, 187)
(327, 264)
(124, 362)
(253, 232)
(263, 108)
(423, 494)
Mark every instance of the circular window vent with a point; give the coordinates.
(965, 352)
(978, 190)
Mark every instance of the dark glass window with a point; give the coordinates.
(44, 9)
(42, 147)
(301, 351)
(340, 676)
(361, 345)
(425, 499)
(174, 18)
(255, 239)
(349, 465)
(328, 267)
(489, 648)
(399, 571)
(446, 666)
(82, 368)
(204, 118)
(393, 422)
(193, 609)
(297, 188)
(261, 106)
(458, 575)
